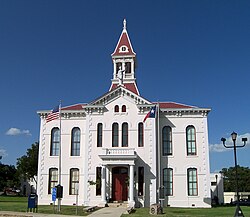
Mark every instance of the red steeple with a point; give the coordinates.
(124, 47)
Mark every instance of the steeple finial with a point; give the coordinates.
(124, 24)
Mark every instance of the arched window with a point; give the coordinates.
(99, 135)
(192, 182)
(140, 135)
(191, 140)
(115, 135)
(116, 108)
(168, 181)
(166, 140)
(128, 67)
(55, 142)
(74, 181)
(53, 179)
(123, 108)
(125, 135)
(75, 141)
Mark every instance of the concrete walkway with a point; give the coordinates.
(109, 211)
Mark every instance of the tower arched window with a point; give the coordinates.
(99, 135)
(115, 134)
(166, 140)
(55, 142)
(118, 66)
(191, 140)
(125, 135)
(75, 141)
(116, 108)
(140, 135)
(124, 108)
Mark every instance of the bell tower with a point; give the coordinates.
(124, 62)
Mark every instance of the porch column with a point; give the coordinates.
(103, 193)
(131, 185)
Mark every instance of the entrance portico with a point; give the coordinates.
(121, 161)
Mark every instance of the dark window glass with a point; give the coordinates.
(99, 135)
(166, 141)
(53, 179)
(140, 135)
(140, 181)
(115, 135)
(168, 181)
(75, 141)
(55, 142)
(128, 67)
(123, 108)
(98, 180)
(191, 140)
(74, 181)
(124, 135)
(192, 182)
(116, 108)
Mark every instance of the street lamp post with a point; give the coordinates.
(217, 190)
(238, 211)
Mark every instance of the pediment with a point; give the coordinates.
(116, 93)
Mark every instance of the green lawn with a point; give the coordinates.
(19, 204)
(188, 212)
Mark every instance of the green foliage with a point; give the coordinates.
(27, 165)
(8, 177)
(230, 181)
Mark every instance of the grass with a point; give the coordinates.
(19, 204)
(189, 212)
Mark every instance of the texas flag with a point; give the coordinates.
(151, 114)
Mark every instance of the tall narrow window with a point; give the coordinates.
(53, 179)
(98, 180)
(115, 136)
(55, 142)
(192, 182)
(140, 135)
(140, 181)
(123, 108)
(74, 181)
(127, 67)
(75, 141)
(166, 141)
(118, 66)
(116, 108)
(191, 140)
(99, 135)
(168, 181)
(125, 135)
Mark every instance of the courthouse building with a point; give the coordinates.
(109, 153)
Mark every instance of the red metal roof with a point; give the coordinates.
(174, 105)
(129, 86)
(74, 107)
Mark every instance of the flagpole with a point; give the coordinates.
(60, 157)
(159, 149)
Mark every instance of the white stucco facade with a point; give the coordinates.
(130, 154)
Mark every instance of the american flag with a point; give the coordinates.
(53, 115)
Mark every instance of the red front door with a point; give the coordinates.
(120, 187)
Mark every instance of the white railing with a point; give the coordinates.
(118, 151)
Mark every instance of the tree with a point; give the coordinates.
(243, 179)
(27, 165)
(8, 176)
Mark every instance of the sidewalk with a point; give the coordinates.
(109, 211)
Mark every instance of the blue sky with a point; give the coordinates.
(192, 52)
